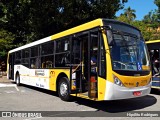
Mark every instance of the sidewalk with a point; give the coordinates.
(4, 79)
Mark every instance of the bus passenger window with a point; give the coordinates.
(34, 51)
(18, 57)
(35, 60)
(62, 45)
(47, 61)
(47, 48)
(62, 60)
(62, 55)
(35, 63)
(25, 57)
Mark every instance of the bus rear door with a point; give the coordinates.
(11, 66)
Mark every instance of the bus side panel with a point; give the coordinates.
(42, 78)
(53, 74)
(101, 88)
(34, 77)
(39, 78)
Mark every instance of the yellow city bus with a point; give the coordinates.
(154, 51)
(100, 60)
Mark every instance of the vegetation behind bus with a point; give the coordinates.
(28, 21)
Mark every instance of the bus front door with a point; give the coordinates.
(89, 64)
(92, 65)
(84, 52)
(79, 65)
(76, 66)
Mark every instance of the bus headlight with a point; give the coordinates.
(117, 81)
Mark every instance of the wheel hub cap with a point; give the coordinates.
(63, 89)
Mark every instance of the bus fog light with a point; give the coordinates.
(117, 81)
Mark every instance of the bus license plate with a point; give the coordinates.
(137, 93)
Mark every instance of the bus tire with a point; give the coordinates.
(17, 79)
(63, 89)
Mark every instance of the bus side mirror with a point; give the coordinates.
(110, 38)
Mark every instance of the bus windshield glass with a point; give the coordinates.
(128, 51)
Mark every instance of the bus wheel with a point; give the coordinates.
(63, 89)
(18, 80)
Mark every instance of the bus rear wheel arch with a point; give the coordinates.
(64, 89)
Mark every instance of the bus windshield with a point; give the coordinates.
(128, 52)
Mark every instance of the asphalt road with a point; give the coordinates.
(26, 98)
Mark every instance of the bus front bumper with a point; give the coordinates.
(115, 92)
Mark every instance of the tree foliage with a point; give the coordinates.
(149, 26)
(128, 15)
(24, 21)
(157, 2)
(123, 18)
(151, 17)
(30, 20)
(143, 27)
(6, 40)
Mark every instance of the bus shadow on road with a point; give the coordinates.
(119, 105)
(49, 92)
(114, 106)
(155, 91)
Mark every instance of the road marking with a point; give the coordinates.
(16, 88)
(9, 91)
(23, 91)
(9, 85)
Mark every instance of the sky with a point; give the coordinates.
(142, 7)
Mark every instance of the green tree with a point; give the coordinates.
(128, 16)
(30, 20)
(143, 27)
(157, 2)
(6, 42)
(130, 13)
(151, 17)
(24, 21)
(123, 18)
(152, 20)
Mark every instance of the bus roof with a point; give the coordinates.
(86, 26)
(119, 22)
